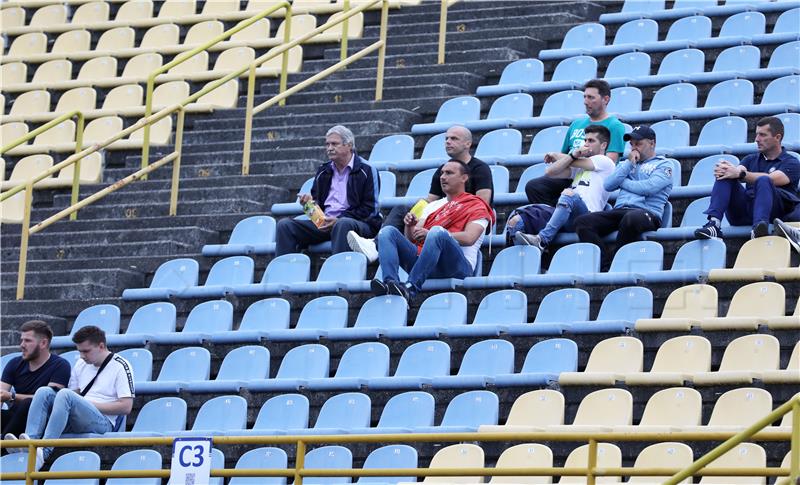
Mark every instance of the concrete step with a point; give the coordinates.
(185, 195)
(145, 263)
(106, 236)
(116, 277)
(9, 336)
(83, 251)
(63, 291)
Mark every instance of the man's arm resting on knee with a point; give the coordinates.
(123, 405)
(469, 235)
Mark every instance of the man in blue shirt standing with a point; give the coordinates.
(645, 181)
(23, 375)
(770, 176)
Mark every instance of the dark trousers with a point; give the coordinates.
(546, 190)
(15, 418)
(293, 235)
(729, 198)
(630, 222)
(395, 217)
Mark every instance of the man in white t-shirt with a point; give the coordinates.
(588, 166)
(443, 243)
(100, 409)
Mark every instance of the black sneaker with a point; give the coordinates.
(378, 287)
(760, 230)
(789, 232)
(401, 289)
(709, 231)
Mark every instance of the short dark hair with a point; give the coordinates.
(91, 334)
(464, 168)
(39, 328)
(601, 131)
(601, 86)
(775, 124)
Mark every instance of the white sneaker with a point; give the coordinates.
(363, 245)
(11, 437)
(24, 436)
(39, 458)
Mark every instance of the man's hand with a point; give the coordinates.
(634, 156)
(568, 192)
(725, 170)
(5, 396)
(551, 157)
(420, 234)
(410, 219)
(582, 152)
(305, 198)
(328, 223)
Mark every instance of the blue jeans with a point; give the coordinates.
(68, 412)
(441, 256)
(743, 208)
(568, 208)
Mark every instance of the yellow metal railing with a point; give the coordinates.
(443, 29)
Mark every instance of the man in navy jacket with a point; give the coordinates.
(346, 189)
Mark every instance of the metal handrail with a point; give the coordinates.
(443, 29)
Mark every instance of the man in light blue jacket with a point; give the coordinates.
(644, 181)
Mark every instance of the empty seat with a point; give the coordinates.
(117, 39)
(29, 44)
(503, 111)
(170, 278)
(730, 63)
(141, 360)
(358, 364)
(145, 323)
(239, 366)
(125, 96)
(49, 16)
(630, 263)
(317, 316)
(375, 316)
(12, 17)
(782, 62)
(223, 277)
(90, 13)
(496, 311)
(609, 361)
(391, 456)
(436, 314)
(14, 73)
(757, 259)
(683, 33)
(269, 458)
(739, 28)
(259, 318)
(77, 461)
(202, 32)
(451, 112)
(130, 11)
(525, 455)
(677, 360)
(31, 103)
(671, 134)
(685, 307)
(181, 366)
(608, 456)
(559, 108)
(516, 77)
(204, 320)
(744, 455)
(556, 311)
(419, 363)
(26, 168)
(253, 235)
(693, 262)
(744, 359)
(619, 311)
(543, 364)
(567, 266)
(750, 306)
(546, 140)
(532, 411)
(482, 361)
(298, 365)
(581, 39)
(723, 99)
(669, 454)
(97, 68)
(219, 416)
(600, 411)
(466, 412)
(339, 414)
(336, 273)
(137, 460)
(279, 413)
(73, 41)
(463, 456)
(787, 375)
(390, 149)
(177, 8)
(737, 409)
(677, 66)
(225, 96)
(280, 273)
(328, 457)
(402, 413)
(570, 73)
(104, 316)
(667, 410)
(508, 268)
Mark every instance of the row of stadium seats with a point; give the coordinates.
(657, 9)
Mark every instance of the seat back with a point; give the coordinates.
(737, 407)
(782, 90)
(56, 70)
(685, 353)
(392, 148)
(565, 306)
(137, 460)
(459, 110)
(146, 62)
(638, 257)
(564, 103)
(682, 61)
(116, 39)
(630, 64)
(625, 100)
(301, 24)
(12, 17)
(523, 71)
(128, 11)
(577, 69)
(442, 310)
(49, 16)
(724, 131)
(609, 407)
(305, 362)
(268, 458)
(31, 102)
(551, 356)
(253, 230)
(77, 461)
(743, 24)
(288, 268)
(347, 410)
(234, 58)
(671, 134)
(391, 456)
(695, 27)
(462, 455)
(84, 99)
(245, 363)
(785, 55)
(502, 307)
(769, 252)
(325, 312)
(791, 126)
(608, 456)
(744, 455)
(141, 361)
(675, 406)
(516, 261)
(186, 364)
(177, 8)
(526, 455)
(428, 358)
(585, 36)
(408, 410)
(388, 311)
(472, 408)
(637, 31)
(14, 130)
(89, 13)
(434, 148)
(166, 94)
(233, 270)
(177, 274)
(488, 358)
(787, 22)
(195, 64)
(668, 454)
(617, 355)
(222, 413)
(220, 7)
(210, 316)
(63, 132)
(365, 360)
(542, 407)
(530, 173)
(286, 411)
(675, 96)
(738, 58)
(500, 143)
(703, 171)
(759, 352)
(153, 318)
(125, 96)
(267, 314)
(28, 44)
(344, 267)
(691, 301)
(73, 41)
(202, 32)
(30, 167)
(98, 68)
(104, 316)
(225, 96)
(330, 457)
(14, 462)
(764, 299)
(577, 258)
(420, 184)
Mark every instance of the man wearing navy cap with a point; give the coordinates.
(644, 181)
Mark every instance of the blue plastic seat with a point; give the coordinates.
(452, 112)
(141, 360)
(436, 314)
(734, 6)
(279, 413)
(683, 33)
(579, 40)
(625, 68)
(389, 150)
(516, 77)
(504, 110)
(668, 102)
(791, 130)
(171, 278)
(482, 361)
(508, 268)
(146, 321)
(670, 134)
(544, 362)
(253, 235)
(402, 413)
(280, 273)
(267, 458)
(204, 320)
(394, 457)
(633, 9)
(137, 460)
(217, 462)
(466, 412)
(336, 272)
(76, 461)
(625, 100)
(419, 363)
(567, 266)
(784, 61)
(684, 8)
(731, 63)
(717, 136)
(570, 73)
(182, 366)
(240, 365)
(317, 316)
(292, 208)
(629, 263)
(692, 263)
(495, 312)
(328, 457)
(298, 365)
(500, 178)
(433, 155)
(14, 463)
(546, 140)
(104, 316)
(339, 414)
(358, 364)
(559, 108)
(497, 145)
(701, 178)
(5, 359)
(737, 29)
(259, 318)
(784, 30)
(388, 184)
(224, 276)
(72, 356)
(629, 37)
(619, 311)
(417, 189)
(723, 99)
(676, 67)
(375, 316)
(557, 309)
(219, 416)
(781, 95)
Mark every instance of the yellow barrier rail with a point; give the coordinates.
(443, 29)
(591, 471)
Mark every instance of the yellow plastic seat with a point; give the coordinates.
(90, 13)
(744, 358)
(258, 31)
(49, 16)
(355, 27)
(272, 67)
(116, 39)
(12, 131)
(220, 7)
(790, 375)
(14, 73)
(737, 409)
(141, 66)
(2, 170)
(163, 35)
(670, 409)
(160, 132)
(786, 463)
(301, 25)
(744, 455)
(12, 210)
(125, 96)
(83, 99)
(62, 133)
(462, 455)
(676, 361)
(609, 361)
(177, 8)
(234, 58)
(750, 307)
(194, 65)
(526, 455)
(55, 71)
(26, 169)
(225, 96)
(31, 103)
(532, 411)
(2, 104)
(12, 17)
(668, 454)
(608, 456)
(783, 322)
(91, 173)
(29, 44)
(104, 67)
(757, 259)
(202, 32)
(260, 5)
(600, 411)
(134, 10)
(72, 41)
(170, 93)
(684, 308)
(101, 129)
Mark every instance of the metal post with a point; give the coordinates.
(287, 37)
(382, 51)
(248, 119)
(590, 478)
(345, 30)
(299, 462)
(148, 110)
(76, 174)
(31, 465)
(442, 30)
(23, 246)
(794, 463)
(176, 164)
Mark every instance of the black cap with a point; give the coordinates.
(641, 132)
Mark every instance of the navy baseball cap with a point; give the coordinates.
(641, 132)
